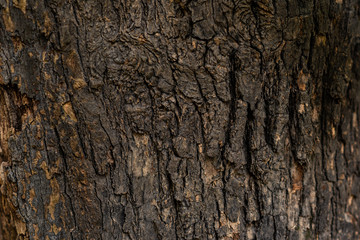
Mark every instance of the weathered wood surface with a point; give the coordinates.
(173, 119)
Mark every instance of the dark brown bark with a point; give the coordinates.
(179, 119)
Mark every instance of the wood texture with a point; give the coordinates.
(174, 119)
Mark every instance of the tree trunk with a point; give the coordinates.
(179, 119)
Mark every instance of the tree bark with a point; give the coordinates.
(179, 119)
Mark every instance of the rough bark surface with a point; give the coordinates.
(158, 119)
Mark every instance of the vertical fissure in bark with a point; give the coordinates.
(233, 99)
(66, 183)
(248, 140)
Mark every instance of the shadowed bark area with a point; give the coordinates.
(158, 119)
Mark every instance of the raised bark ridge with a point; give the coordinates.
(179, 119)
